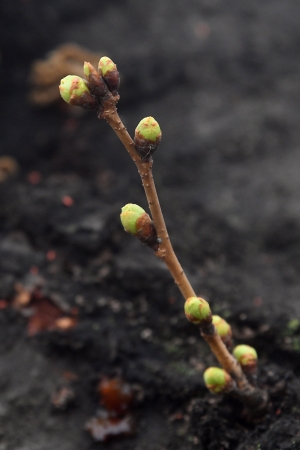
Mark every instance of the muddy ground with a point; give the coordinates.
(222, 79)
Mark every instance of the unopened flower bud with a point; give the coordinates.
(197, 310)
(217, 380)
(95, 80)
(224, 330)
(89, 69)
(147, 137)
(74, 91)
(137, 222)
(108, 69)
(129, 216)
(247, 357)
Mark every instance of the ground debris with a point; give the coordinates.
(43, 314)
(105, 428)
(63, 398)
(114, 420)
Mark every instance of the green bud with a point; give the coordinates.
(88, 69)
(96, 83)
(147, 137)
(72, 85)
(106, 65)
(223, 327)
(149, 129)
(224, 330)
(197, 310)
(137, 222)
(74, 91)
(217, 380)
(246, 356)
(129, 217)
(108, 69)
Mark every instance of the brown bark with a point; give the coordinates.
(165, 252)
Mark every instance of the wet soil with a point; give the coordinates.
(222, 79)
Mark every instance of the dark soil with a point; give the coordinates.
(222, 79)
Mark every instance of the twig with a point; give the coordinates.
(101, 94)
(166, 253)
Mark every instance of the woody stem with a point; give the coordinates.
(165, 250)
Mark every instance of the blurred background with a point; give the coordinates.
(222, 80)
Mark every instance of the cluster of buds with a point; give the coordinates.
(137, 222)
(218, 381)
(99, 84)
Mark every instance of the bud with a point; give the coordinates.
(197, 311)
(75, 91)
(108, 69)
(217, 380)
(137, 222)
(224, 330)
(129, 216)
(89, 69)
(96, 82)
(147, 137)
(247, 357)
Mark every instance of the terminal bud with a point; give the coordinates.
(224, 330)
(137, 222)
(147, 137)
(74, 91)
(218, 381)
(197, 311)
(247, 357)
(108, 69)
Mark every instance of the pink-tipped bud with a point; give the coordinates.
(96, 83)
(108, 69)
(147, 137)
(74, 90)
